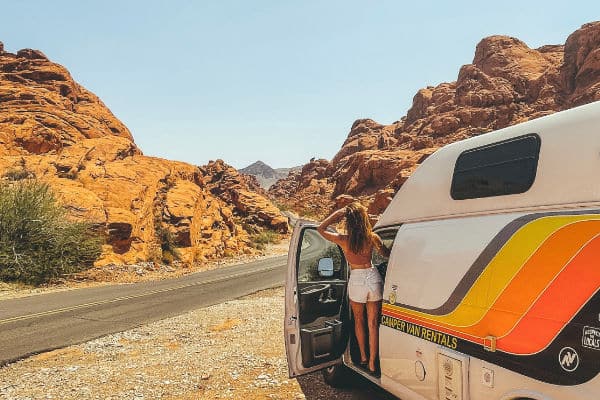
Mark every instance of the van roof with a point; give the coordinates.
(568, 171)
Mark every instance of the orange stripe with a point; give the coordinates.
(573, 287)
(492, 279)
(533, 278)
(560, 299)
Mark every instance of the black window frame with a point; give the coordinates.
(469, 157)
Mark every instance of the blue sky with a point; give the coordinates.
(278, 81)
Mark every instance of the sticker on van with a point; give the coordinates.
(591, 338)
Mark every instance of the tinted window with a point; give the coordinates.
(502, 168)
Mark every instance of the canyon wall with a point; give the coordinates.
(506, 83)
(53, 129)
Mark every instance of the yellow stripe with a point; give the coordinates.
(500, 271)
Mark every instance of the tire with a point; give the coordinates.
(336, 375)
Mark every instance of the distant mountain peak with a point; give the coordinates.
(265, 174)
(259, 168)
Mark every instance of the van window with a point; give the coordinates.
(498, 169)
(379, 260)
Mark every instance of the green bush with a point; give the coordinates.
(38, 241)
(261, 239)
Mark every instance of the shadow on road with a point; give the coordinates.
(314, 388)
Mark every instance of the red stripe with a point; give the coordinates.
(564, 297)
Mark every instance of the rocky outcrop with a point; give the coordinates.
(42, 109)
(54, 129)
(307, 190)
(580, 72)
(242, 191)
(506, 83)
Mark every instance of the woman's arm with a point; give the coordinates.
(381, 249)
(336, 216)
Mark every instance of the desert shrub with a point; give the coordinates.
(38, 241)
(17, 174)
(227, 253)
(167, 257)
(282, 206)
(169, 251)
(311, 214)
(260, 239)
(250, 228)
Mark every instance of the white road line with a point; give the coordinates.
(117, 299)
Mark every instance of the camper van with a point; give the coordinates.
(491, 288)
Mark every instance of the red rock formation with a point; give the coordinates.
(245, 194)
(56, 130)
(305, 190)
(580, 72)
(506, 83)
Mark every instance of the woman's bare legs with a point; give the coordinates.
(373, 312)
(360, 329)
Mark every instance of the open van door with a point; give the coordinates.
(316, 309)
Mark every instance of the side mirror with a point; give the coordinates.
(325, 267)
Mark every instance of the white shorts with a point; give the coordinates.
(365, 285)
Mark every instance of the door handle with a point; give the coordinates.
(327, 298)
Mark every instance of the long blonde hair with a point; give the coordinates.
(358, 227)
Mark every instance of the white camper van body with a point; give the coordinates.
(491, 289)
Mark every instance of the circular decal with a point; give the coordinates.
(568, 359)
(392, 297)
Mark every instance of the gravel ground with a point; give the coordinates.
(231, 350)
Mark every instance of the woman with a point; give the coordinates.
(365, 286)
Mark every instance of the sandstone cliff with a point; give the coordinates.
(54, 129)
(506, 83)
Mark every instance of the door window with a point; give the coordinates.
(319, 259)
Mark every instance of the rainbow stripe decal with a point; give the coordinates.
(529, 284)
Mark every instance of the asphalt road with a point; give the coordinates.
(40, 323)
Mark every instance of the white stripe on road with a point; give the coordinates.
(117, 299)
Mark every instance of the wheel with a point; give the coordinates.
(336, 375)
